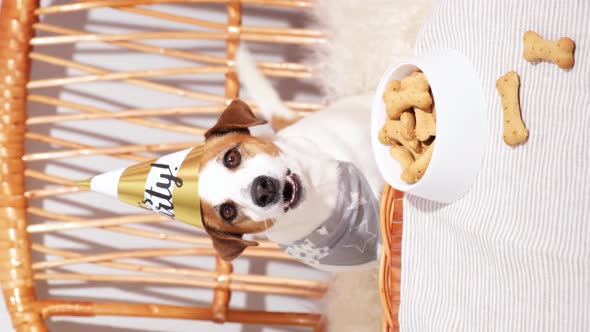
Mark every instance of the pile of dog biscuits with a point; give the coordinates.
(410, 127)
(560, 52)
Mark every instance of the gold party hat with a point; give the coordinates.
(168, 185)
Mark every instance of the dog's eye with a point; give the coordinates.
(228, 212)
(232, 158)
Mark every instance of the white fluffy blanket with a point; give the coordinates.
(365, 37)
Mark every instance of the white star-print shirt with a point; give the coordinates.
(349, 239)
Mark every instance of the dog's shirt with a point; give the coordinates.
(349, 238)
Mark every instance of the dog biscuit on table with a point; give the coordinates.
(398, 101)
(393, 130)
(402, 155)
(425, 124)
(515, 131)
(560, 52)
(408, 125)
(416, 170)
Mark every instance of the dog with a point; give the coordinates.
(313, 188)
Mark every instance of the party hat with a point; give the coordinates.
(168, 185)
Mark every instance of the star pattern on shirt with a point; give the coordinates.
(322, 230)
(359, 237)
(356, 201)
(307, 252)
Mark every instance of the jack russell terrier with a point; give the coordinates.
(313, 188)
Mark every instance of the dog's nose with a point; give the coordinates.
(265, 191)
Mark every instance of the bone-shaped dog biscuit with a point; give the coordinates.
(398, 101)
(515, 132)
(408, 125)
(416, 170)
(402, 155)
(560, 52)
(416, 81)
(425, 124)
(410, 91)
(393, 130)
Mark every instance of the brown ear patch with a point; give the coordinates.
(228, 245)
(236, 117)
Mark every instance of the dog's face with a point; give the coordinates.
(244, 183)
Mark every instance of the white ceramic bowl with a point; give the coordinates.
(461, 129)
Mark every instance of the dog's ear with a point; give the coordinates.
(236, 117)
(228, 245)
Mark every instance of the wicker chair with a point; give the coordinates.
(28, 176)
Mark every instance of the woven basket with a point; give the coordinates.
(390, 273)
(19, 204)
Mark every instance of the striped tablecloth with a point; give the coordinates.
(514, 253)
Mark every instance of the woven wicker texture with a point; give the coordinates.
(390, 273)
(24, 34)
